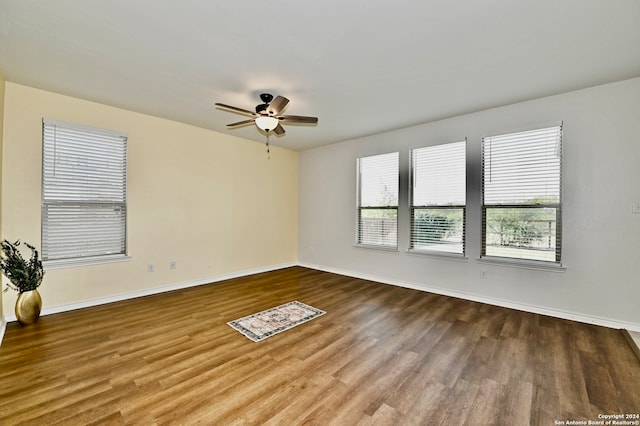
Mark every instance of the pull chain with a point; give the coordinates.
(268, 149)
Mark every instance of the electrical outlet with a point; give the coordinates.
(173, 265)
(635, 207)
(483, 275)
(151, 268)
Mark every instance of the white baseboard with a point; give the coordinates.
(588, 319)
(156, 290)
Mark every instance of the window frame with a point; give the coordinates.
(555, 264)
(413, 208)
(360, 208)
(85, 205)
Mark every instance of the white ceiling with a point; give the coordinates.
(361, 66)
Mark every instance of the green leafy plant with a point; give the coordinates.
(430, 228)
(24, 275)
(520, 227)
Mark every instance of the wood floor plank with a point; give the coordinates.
(381, 355)
(464, 393)
(427, 405)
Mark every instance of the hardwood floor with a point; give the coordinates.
(381, 355)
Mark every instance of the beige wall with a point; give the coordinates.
(213, 203)
(2, 84)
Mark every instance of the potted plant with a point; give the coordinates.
(25, 276)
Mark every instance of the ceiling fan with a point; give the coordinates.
(267, 116)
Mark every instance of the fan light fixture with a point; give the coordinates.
(266, 123)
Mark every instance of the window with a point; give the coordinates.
(378, 200)
(438, 194)
(83, 192)
(521, 206)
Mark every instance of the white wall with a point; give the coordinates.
(2, 84)
(601, 236)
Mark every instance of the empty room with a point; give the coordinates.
(329, 213)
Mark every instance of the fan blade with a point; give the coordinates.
(277, 105)
(244, 111)
(279, 130)
(298, 119)
(241, 123)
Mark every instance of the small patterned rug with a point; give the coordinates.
(272, 321)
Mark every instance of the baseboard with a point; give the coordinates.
(605, 322)
(588, 319)
(156, 290)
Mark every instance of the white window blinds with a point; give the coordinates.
(522, 194)
(84, 181)
(378, 178)
(438, 195)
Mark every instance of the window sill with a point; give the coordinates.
(539, 265)
(388, 249)
(438, 254)
(85, 261)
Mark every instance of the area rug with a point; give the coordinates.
(272, 321)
